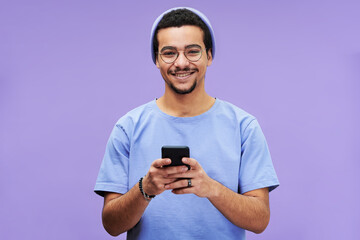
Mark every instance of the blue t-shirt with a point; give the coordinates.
(226, 141)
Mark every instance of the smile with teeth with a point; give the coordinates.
(182, 74)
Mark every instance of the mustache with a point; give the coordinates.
(187, 69)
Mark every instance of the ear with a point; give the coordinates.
(209, 57)
(157, 61)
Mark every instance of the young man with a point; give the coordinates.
(226, 189)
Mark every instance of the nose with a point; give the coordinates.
(181, 60)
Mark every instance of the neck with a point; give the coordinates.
(185, 105)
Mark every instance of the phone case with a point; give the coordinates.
(175, 153)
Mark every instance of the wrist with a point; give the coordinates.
(142, 191)
(215, 189)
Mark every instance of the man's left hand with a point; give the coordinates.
(201, 184)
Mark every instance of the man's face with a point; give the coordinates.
(182, 76)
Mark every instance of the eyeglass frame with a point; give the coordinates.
(178, 52)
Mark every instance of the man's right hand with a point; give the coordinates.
(155, 180)
(122, 212)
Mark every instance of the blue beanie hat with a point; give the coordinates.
(201, 15)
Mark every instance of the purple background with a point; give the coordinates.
(70, 69)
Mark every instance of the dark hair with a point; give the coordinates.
(181, 17)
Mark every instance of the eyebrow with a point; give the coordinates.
(193, 45)
(174, 48)
(168, 47)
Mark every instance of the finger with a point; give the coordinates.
(174, 170)
(158, 163)
(186, 190)
(190, 161)
(166, 181)
(185, 174)
(182, 183)
(156, 184)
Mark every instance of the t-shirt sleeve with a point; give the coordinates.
(256, 168)
(113, 174)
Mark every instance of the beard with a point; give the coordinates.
(182, 91)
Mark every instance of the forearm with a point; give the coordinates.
(248, 212)
(124, 212)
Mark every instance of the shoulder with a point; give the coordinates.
(134, 116)
(235, 113)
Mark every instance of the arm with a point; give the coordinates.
(123, 212)
(249, 211)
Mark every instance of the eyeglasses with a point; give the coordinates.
(170, 54)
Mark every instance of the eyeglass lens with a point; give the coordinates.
(169, 55)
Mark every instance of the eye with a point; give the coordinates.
(169, 53)
(193, 51)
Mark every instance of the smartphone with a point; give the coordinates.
(175, 153)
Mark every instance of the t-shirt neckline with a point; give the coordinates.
(156, 108)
